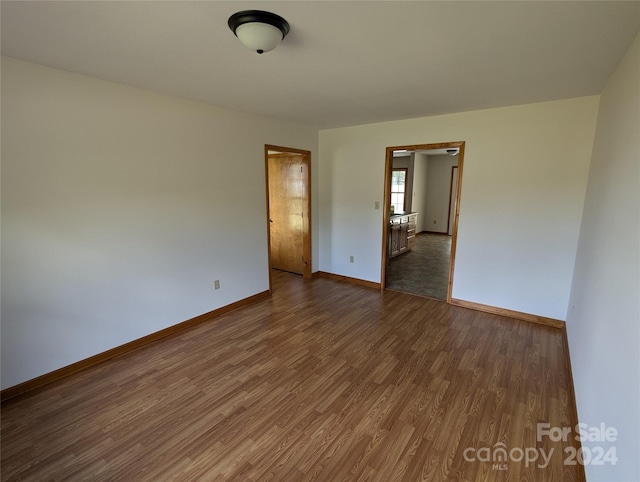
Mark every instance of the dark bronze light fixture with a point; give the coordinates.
(260, 31)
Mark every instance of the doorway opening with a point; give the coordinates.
(419, 243)
(288, 186)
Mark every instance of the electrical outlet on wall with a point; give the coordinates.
(376, 205)
(351, 259)
(216, 284)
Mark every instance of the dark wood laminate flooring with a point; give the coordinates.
(324, 381)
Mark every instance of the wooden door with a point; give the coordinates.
(394, 241)
(287, 197)
(403, 241)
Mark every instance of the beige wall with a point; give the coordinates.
(603, 320)
(420, 182)
(436, 205)
(120, 207)
(525, 175)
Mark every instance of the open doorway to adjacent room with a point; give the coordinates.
(420, 218)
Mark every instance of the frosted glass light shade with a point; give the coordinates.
(259, 30)
(259, 37)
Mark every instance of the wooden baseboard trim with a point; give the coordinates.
(315, 275)
(518, 315)
(573, 408)
(348, 279)
(42, 380)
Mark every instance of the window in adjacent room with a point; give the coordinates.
(399, 189)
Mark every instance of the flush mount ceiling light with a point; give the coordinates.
(453, 152)
(260, 31)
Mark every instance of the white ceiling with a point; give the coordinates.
(344, 62)
(429, 152)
